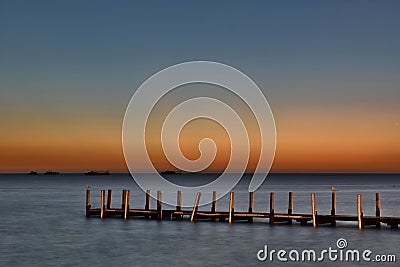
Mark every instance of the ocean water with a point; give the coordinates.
(42, 223)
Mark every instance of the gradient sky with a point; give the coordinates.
(330, 71)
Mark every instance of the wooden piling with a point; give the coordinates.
(88, 206)
(147, 203)
(231, 208)
(126, 207)
(359, 211)
(251, 205)
(159, 206)
(378, 209)
(178, 201)
(314, 210)
(271, 208)
(195, 207)
(214, 205)
(102, 205)
(333, 210)
(109, 199)
(123, 199)
(290, 206)
(178, 205)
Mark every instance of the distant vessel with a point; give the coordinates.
(98, 173)
(51, 173)
(32, 173)
(167, 172)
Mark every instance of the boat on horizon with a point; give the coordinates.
(98, 173)
(51, 173)
(169, 172)
(33, 173)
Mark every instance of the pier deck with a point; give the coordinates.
(231, 215)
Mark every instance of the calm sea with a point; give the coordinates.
(42, 223)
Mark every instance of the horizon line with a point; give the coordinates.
(216, 172)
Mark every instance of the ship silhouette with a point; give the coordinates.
(97, 173)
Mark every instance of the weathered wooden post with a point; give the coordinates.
(271, 208)
(126, 207)
(251, 205)
(178, 204)
(179, 201)
(333, 210)
(147, 203)
(109, 199)
(231, 208)
(123, 200)
(359, 211)
(214, 205)
(159, 206)
(102, 205)
(378, 209)
(195, 207)
(290, 208)
(314, 210)
(88, 206)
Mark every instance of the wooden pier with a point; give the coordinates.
(193, 214)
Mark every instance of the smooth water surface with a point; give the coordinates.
(43, 223)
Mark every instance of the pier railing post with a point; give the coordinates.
(378, 209)
(102, 204)
(271, 208)
(359, 211)
(123, 199)
(314, 210)
(179, 201)
(195, 207)
(178, 204)
(126, 207)
(231, 208)
(251, 205)
(159, 206)
(88, 206)
(109, 199)
(290, 208)
(333, 210)
(147, 203)
(214, 205)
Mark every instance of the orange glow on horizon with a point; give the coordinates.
(328, 141)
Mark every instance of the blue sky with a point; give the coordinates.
(87, 47)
